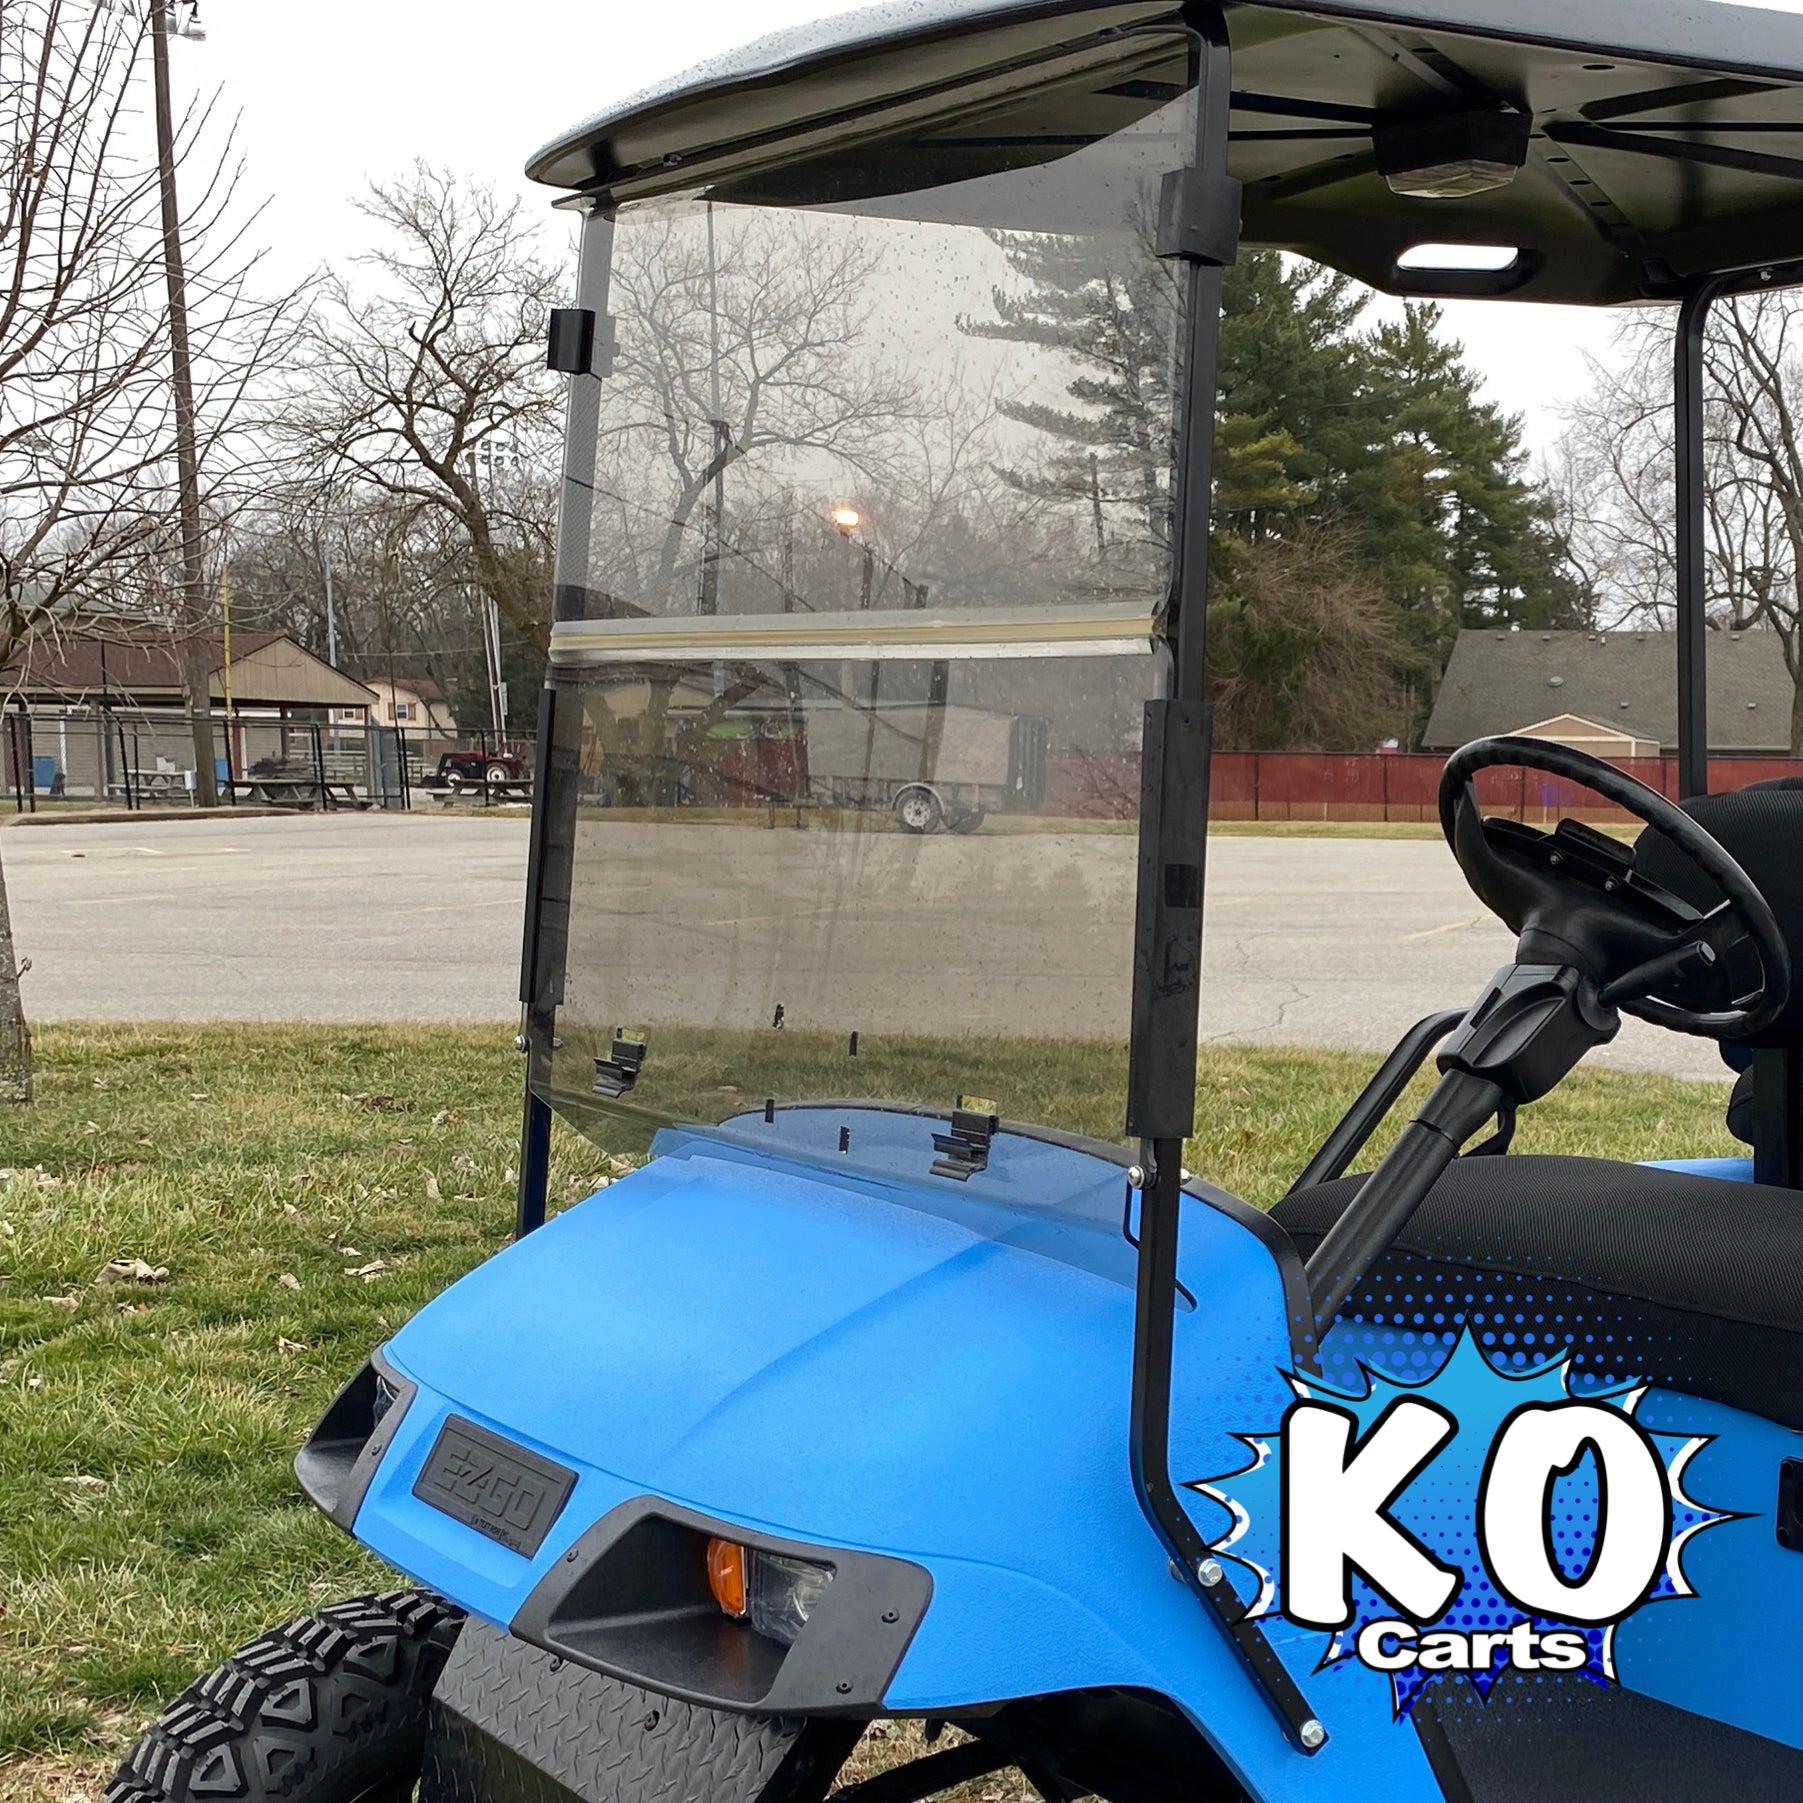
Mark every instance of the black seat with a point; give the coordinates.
(1761, 828)
(1693, 1283)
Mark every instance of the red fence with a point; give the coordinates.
(1263, 785)
(1286, 785)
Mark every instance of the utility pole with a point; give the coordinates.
(331, 613)
(196, 667)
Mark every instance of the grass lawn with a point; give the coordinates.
(305, 1190)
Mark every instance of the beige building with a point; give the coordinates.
(415, 703)
(1587, 735)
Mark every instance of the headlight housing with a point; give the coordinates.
(771, 1591)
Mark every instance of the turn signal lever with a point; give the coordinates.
(1527, 1032)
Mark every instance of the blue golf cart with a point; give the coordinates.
(905, 1372)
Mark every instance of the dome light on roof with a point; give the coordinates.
(1453, 156)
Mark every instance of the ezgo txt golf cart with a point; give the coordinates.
(910, 1375)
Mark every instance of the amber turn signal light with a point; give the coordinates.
(726, 1574)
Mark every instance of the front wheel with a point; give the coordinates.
(328, 1708)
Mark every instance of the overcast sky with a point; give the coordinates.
(335, 92)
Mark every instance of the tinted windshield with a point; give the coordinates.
(875, 564)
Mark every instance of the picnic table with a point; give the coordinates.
(151, 785)
(287, 791)
(449, 794)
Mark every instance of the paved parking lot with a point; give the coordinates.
(368, 918)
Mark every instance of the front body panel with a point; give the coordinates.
(932, 1373)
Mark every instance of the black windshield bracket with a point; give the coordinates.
(581, 342)
(964, 1148)
(1198, 217)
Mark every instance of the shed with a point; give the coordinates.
(1588, 735)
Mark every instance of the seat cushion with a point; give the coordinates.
(1693, 1283)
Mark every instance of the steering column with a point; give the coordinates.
(1595, 937)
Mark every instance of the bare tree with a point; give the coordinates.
(1614, 477)
(1305, 654)
(86, 414)
(743, 344)
(426, 383)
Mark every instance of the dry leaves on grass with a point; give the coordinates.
(54, 1779)
(289, 1281)
(132, 1270)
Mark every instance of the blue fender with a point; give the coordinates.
(830, 1348)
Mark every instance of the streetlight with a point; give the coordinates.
(847, 519)
(486, 461)
(197, 676)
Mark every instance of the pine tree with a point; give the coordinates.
(1375, 435)
(1112, 450)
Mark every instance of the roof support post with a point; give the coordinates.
(1693, 570)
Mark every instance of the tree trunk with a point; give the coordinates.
(1796, 717)
(15, 1032)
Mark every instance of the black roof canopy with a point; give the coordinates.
(1664, 138)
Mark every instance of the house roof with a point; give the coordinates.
(1499, 682)
(1657, 151)
(137, 666)
(421, 687)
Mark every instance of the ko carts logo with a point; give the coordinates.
(1481, 1522)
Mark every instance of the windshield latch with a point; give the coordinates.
(965, 1149)
(619, 1071)
(1198, 217)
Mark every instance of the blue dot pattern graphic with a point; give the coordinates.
(1479, 1348)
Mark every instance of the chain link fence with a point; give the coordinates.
(143, 758)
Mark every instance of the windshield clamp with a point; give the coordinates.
(1198, 217)
(965, 1149)
(619, 1071)
(581, 342)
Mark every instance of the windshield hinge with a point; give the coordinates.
(619, 1071)
(1198, 217)
(965, 1149)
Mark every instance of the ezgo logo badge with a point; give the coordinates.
(1481, 1522)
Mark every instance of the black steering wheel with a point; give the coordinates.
(1575, 898)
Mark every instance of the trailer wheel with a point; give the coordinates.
(328, 1708)
(918, 810)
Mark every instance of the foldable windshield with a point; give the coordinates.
(852, 666)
